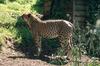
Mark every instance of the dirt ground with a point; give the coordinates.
(13, 58)
(6, 60)
(19, 59)
(9, 57)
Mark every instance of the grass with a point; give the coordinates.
(13, 10)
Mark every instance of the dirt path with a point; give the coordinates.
(6, 61)
(18, 59)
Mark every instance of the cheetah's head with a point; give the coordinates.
(26, 17)
(31, 17)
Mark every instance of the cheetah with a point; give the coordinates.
(50, 29)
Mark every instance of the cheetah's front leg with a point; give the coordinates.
(37, 40)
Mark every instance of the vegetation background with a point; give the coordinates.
(85, 40)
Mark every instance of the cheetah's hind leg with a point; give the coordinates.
(66, 46)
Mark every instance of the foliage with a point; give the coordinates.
(3, 1)
(92, 11)
(58, 9)
(11, 24)
(26, 1)
(88, 39)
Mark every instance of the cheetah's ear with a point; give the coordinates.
(29, 15)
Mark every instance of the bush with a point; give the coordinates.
(26, 1)
(17, 7)
(3, 1)
(87, 39)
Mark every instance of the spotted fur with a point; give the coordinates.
(50, 29)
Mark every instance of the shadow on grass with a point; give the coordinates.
(26, 45)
